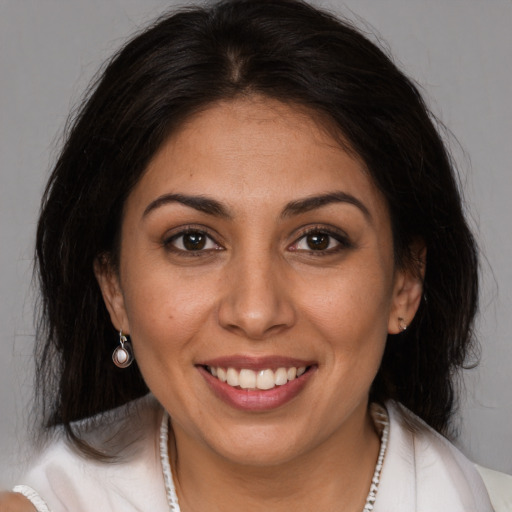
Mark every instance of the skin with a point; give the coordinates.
(257, 288)
(14, 502)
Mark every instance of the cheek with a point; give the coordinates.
(164, 310)
(351, 311)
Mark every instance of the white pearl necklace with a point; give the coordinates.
(380, 418)
(172, 498)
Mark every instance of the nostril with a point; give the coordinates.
(255, 305)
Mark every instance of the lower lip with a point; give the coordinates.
(256, 400)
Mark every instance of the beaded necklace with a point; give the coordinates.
(380, 418)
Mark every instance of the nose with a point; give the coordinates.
(256, 303)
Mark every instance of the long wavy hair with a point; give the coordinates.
(285, 50)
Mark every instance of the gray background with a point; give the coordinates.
(459, 50)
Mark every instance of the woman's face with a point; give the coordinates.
(255, 249)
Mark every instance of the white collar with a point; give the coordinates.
(424, 472)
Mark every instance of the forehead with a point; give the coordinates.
(259, 150)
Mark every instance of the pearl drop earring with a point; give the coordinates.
(123, 354)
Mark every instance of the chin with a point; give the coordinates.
(261, 446)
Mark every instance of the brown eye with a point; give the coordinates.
(318, 241)
(321, 242)
(194, 241)
(191, 241)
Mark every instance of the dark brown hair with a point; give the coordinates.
(286, 50)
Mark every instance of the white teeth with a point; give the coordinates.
(247, 379)
(221, 374)
(265, 379)
(281, 377)
(232, 377)
(262, 379)
(291, 373)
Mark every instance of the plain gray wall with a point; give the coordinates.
(459, 50)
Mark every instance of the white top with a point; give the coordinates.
(422, 471)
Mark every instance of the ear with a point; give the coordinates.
(408, 288)
(108, 280)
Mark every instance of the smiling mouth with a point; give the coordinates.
(263, 380)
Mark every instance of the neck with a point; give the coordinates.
(322, 478)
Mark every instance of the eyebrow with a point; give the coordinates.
(311, 203)
(201, 203)
(213, 207)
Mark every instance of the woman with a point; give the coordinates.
(254, 219)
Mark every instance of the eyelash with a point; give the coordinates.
(169, 242)
(341, 239)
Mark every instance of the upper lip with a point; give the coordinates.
(239, 362)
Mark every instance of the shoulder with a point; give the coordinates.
(499, 486)
(68, 480)
(433, 474)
